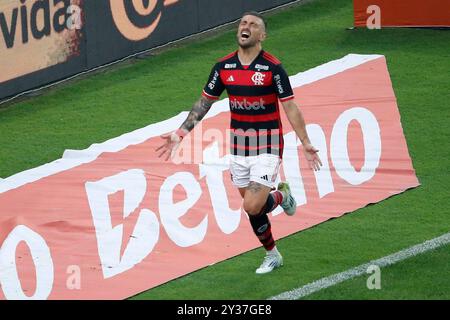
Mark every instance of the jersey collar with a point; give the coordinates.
(252, 65)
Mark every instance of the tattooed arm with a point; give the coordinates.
(199, 110)
(172, 140)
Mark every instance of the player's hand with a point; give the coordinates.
(168, 148)
(314, 162)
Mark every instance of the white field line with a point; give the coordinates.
(362, 269)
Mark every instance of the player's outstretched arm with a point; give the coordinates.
(298, 124)
(172, 140)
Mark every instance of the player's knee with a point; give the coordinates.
(252, 208)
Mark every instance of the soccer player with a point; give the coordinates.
(255, 82)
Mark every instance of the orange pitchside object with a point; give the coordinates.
(401, 13)
(114, 220)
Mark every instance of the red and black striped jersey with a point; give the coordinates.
(254, 92)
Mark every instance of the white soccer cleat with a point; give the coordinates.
(271, 261)
(289, 204)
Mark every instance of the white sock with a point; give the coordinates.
(274, 251)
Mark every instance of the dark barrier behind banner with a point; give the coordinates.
(40, 42)
(43, 41)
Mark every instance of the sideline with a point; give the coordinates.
(361, 270)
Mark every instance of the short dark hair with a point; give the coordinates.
(256, 14)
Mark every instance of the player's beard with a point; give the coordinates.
(248, 44)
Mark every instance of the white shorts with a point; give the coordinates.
(262, 169)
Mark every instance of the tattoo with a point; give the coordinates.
(199, 110)
(254, 187)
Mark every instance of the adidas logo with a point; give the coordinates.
(230, 79)
(265, 177)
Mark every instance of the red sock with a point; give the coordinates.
(277, 197)
(273, 200)
(267, 239)
(262, 228)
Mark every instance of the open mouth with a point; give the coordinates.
(245, 35)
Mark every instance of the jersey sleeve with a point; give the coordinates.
(282, 84)
(214, 87)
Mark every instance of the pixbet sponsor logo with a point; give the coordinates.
(38, 19)
(246, 105)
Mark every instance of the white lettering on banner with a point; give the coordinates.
(323, 177)
(147, 228)
(291, 167)
(171, 212)
(40, 253)
(213, 168)
(145, 233)
(110, 239)
(372, 145)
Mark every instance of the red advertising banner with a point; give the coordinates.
(401, 13)
(114, 220)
